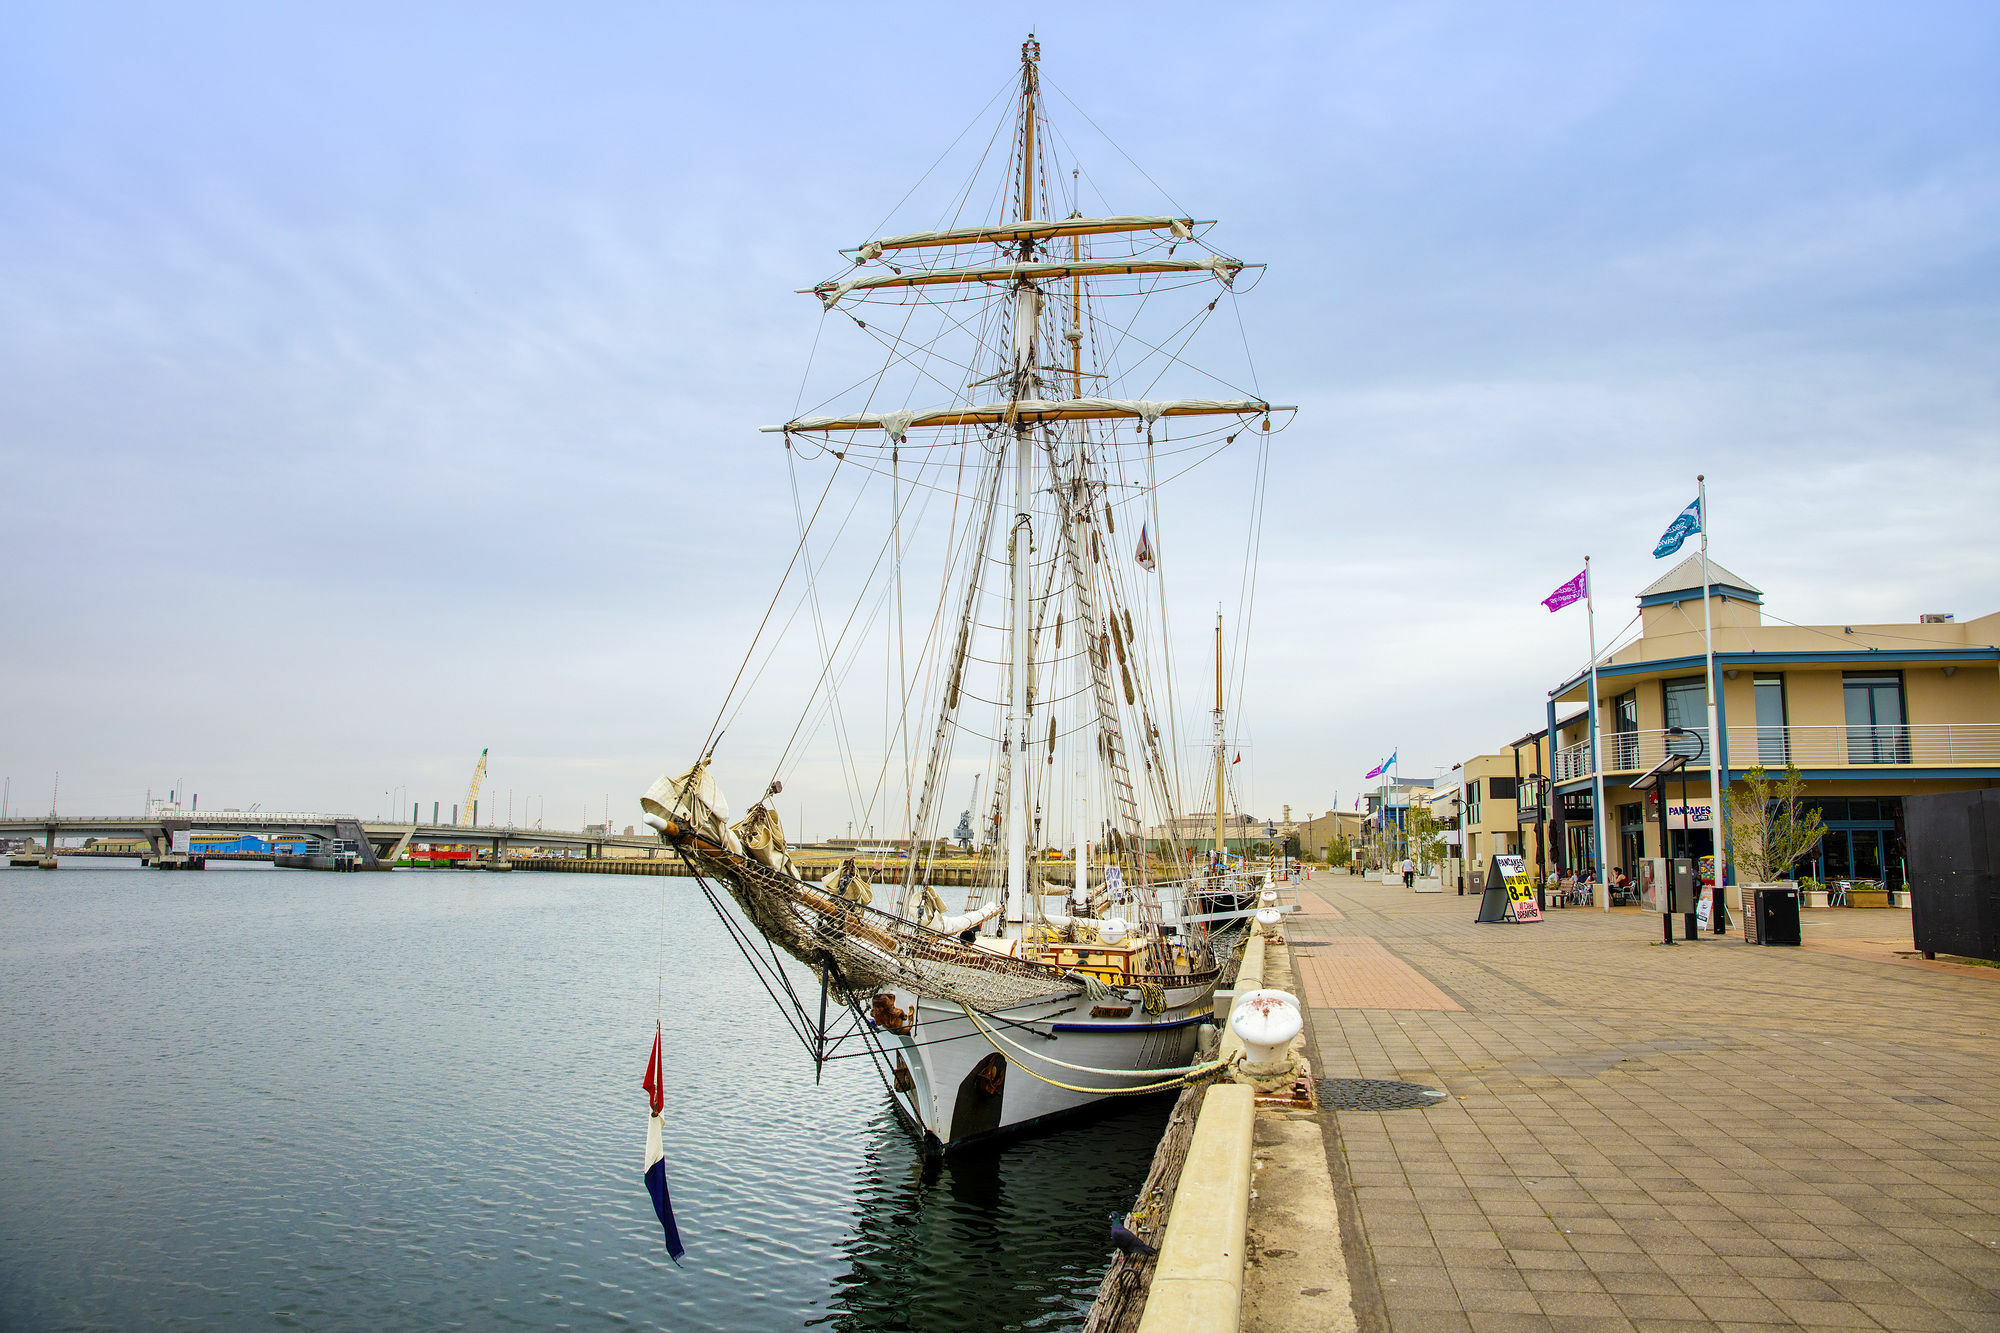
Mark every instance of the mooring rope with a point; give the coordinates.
(1183, 1074)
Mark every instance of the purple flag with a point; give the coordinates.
(1573, 591)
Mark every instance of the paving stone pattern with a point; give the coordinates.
(1707, 1136)
(1354, 971)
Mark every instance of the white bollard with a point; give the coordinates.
(1266, 1021)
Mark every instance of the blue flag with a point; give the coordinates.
(1678, 531)
(656, 1185)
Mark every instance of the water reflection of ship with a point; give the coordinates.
(1016, 1237)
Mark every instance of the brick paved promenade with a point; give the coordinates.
(1709, 1136)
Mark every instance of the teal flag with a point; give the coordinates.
(1678, 531)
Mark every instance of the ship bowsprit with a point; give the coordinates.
(868, 948)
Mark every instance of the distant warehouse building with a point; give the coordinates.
(1871, 714)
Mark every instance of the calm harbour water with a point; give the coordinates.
(251, 1097)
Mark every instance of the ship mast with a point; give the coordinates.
(1027, 313)
(1221, 741)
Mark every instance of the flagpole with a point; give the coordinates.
(1714, 737)
(1596, 759)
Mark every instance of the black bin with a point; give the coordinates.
(1954, 861)
(1778, 916)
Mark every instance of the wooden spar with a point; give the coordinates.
(1009, 233)
(1037, 270)
(1030, 409)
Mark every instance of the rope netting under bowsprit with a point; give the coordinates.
(873, 949)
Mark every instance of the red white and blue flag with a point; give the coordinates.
(656, 1160)
(1569, 594)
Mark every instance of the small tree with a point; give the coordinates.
(1340, 851)
(1426, 834)
(1769, 825)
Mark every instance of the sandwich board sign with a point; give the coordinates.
(1520, 888)
(1510, 892)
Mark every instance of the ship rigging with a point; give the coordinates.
(1019, 425)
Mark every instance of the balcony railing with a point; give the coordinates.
(1940, 744)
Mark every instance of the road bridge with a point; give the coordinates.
(377, 843)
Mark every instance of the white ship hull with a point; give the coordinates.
(953, 1083)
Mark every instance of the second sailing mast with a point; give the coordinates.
(1027, 313)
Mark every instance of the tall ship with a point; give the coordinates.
(976, 564)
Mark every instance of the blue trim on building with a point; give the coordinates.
(1969, 653)
(1728, 592)
(1555, 856)
(1858, 656)
(1897, 772)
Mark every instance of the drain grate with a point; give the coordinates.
(1375, 1094)
(1923, 1101)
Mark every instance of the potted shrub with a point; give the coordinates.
(1867, 893)
(1770, 829)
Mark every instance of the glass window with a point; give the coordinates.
(1875, 730)
(1686, 706)
(1771, 747)
(1864, 807)
(1624, 754)
(1582, 848)
(1867, 853)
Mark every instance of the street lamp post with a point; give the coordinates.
(1718, 914)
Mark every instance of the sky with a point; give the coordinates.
(380, 383)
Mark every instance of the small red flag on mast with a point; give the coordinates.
(653, 1083)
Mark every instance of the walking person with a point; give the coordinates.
(1409, 873)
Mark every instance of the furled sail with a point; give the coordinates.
(897, 424)
(1003, 233)
(1038, 270)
